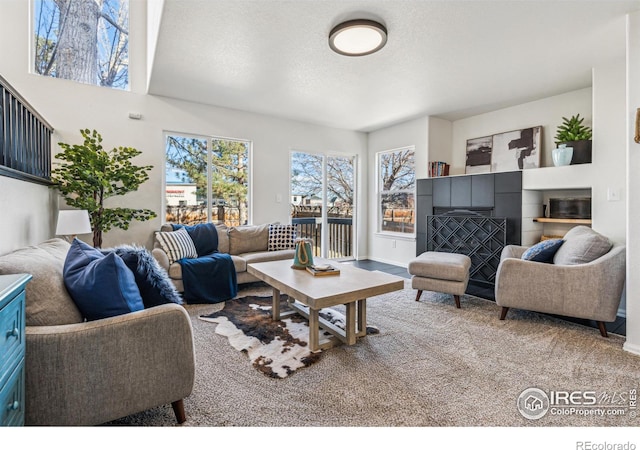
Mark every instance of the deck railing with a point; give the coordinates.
(340, 235)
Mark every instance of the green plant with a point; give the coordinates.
(89, 174)
(573, 130)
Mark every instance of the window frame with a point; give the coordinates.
(325, 155)
(380, 193)
(209, 195)
(33, 38)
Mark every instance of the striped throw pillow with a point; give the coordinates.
(177, 244)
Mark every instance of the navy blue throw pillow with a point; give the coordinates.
(153, 281)
(100, 285)
(543, 251)
(203, 235)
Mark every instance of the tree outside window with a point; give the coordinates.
(83, 40)
(396, 191)
(306, 181)
(207, 179)
(322, 201)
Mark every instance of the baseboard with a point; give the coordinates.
(631, 348)
(393, 263)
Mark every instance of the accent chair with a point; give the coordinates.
(584, 280)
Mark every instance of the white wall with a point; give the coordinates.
(28, 213)
(609, 150)
(609, 156)
(440, 140)
(632, 343)
(602, 107)
(385, 248)
(547, 112)
(154, 19)
(70, 106)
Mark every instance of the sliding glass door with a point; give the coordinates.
(323, 202)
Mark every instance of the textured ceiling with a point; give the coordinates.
(446, 58)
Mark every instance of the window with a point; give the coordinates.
(83, 40)
(396, 191)
(323, 200)
(206, 180)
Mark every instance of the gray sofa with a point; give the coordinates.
(89, 373)
(246, 244)
(585, 280)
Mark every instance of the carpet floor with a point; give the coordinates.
(431, 365)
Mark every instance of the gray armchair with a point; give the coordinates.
(591, 290)
(91, 372)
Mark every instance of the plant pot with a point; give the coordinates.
(581, 151)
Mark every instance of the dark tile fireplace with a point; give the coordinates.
(476, 215)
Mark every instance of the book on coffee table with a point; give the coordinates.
(323, 270)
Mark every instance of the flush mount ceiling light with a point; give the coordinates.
(358, 37)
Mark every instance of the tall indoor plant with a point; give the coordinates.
(87, 175)
(574, 134)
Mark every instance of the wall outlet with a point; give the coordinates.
(393, 243)
(278, 198)
(613, 194)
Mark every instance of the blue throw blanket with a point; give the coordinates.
(211, 277)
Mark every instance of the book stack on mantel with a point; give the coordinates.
(438, 169)
(322, 270)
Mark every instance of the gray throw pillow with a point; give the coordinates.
(248, 238)
(47, 299)
(582, 245)
(223, 238)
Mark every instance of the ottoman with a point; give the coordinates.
(440, 272)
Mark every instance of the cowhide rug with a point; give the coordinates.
(276, 349)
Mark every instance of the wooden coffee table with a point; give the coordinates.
(351, 288)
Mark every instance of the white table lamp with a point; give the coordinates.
(72, 222)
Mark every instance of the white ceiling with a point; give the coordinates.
(446, 58)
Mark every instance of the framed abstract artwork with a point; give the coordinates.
(516, 150)
(479, 155)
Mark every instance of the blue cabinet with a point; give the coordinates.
(12, 348)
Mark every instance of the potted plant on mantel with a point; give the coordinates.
(574, 134)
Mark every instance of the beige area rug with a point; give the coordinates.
(431, 365)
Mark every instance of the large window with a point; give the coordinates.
(83, 40)
(396, 191)
(206, 180)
